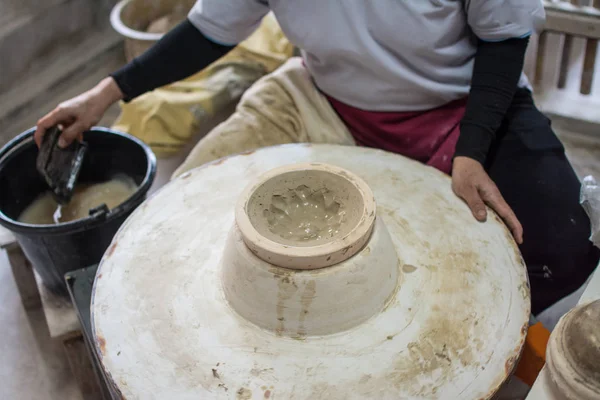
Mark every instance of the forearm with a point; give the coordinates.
(496, 73)
(108, 91)
(180, 53)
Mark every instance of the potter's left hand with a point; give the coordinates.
(471, 183)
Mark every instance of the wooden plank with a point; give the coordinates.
(565, 61)
(589, 64)
(61, 316)
(24, 277)
(541, 55)
(82, 368)
(571, 20)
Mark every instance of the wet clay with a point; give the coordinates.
(305, 208)
(304, 214)
(408, 269)
(85, 197)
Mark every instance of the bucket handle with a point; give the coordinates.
(100, 212)
(117, 23)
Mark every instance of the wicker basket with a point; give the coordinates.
(132, 18)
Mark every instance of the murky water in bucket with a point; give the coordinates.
(46, 211)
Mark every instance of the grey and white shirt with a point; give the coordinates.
(380, 55)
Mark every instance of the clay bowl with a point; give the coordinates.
(306, 216)
(306, 236)
(573, 354)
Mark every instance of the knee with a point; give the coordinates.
(575, 257)
(559, 258)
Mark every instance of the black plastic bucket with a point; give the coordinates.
(57, 249)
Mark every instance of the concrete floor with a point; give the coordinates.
(32, 366)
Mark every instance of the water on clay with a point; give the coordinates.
(44, 210)
(305, 215)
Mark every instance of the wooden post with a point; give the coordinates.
(589, 61)
(563, 72)
(541, 54)
(564, 62)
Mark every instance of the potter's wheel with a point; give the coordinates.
(452, 327)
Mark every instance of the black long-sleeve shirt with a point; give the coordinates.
(496, 74)
(498, 65)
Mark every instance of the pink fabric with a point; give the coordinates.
(426, 136)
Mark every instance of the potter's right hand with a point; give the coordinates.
(80, 113)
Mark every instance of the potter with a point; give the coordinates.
(456, 99)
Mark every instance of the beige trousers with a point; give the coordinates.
(282, 107)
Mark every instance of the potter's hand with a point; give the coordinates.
(471, 183)
(79, 113)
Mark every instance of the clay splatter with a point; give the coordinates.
(408, 269)
(244, 394)
(102, 344)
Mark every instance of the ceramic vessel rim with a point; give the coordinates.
(564, 371)
(254, 238)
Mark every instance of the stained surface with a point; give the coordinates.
(305, 207)
(453, 330)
